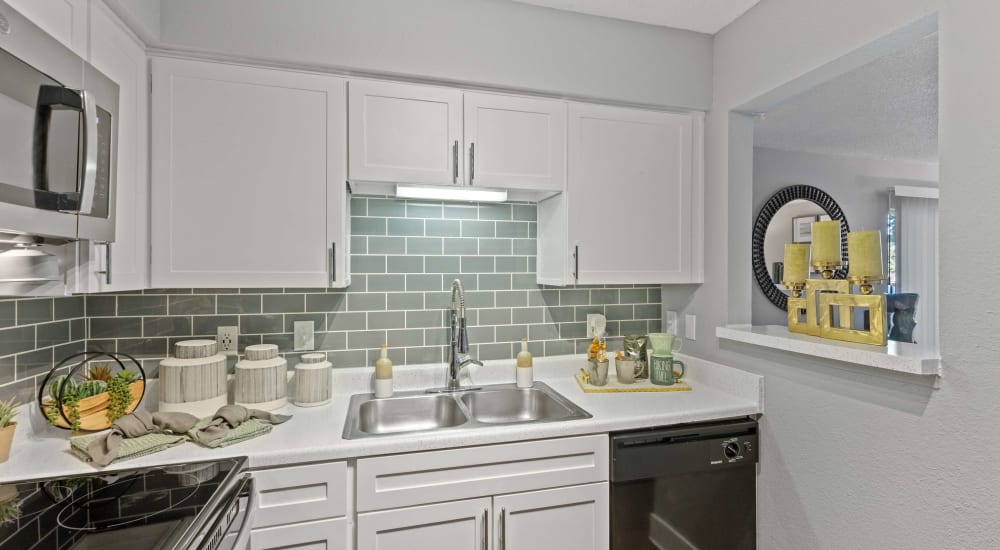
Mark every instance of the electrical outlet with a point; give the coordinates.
(228, 338)
(690, 323)
(672, 322)
(596, 325)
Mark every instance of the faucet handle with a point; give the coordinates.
(463, 337)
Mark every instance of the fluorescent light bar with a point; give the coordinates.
(450, 193)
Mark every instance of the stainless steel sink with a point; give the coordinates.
(411, 412)
(509, 405)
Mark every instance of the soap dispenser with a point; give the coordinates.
(383, 374)
(524, 366)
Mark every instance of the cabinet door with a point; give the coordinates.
(403, 133)
(330, 534)
(249, 177)
(458, 525)
(65, 20)
(114, 52)
(570, 518)
(630, 195)
(515, 142)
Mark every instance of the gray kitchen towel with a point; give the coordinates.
(103, 449)
(229, 417)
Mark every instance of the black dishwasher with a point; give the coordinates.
(690, 487)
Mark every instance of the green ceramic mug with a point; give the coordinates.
(661, 370)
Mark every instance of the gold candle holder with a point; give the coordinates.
(827, 269)
(866, 284)
(795, 287)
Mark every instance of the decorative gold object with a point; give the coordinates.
(875, 335)
(795, 287)
(803, 312)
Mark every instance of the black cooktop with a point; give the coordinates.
(145, 508)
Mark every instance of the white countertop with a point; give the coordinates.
(897, 356)
(314, 434)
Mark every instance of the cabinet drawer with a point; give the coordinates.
(329, 534)
(300, 493)
(437, 476)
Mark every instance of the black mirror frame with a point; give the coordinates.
(767, 212)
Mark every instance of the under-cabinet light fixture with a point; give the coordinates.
(450, 193)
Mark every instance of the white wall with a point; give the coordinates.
(859, 185)
(486, 42)
(855, 458)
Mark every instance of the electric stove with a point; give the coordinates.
(192, 506)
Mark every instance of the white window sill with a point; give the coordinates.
(900, 357)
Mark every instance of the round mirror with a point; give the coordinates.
(787, 217)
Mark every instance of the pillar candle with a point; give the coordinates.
(864, 254)
(826, 242)
(796, 262)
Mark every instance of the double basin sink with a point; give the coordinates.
(496, 405)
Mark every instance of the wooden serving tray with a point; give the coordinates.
(639, 386)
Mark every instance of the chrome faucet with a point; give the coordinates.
(458, 355)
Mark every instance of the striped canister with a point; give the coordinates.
(313, 380)
(262, 378)
(194, 380)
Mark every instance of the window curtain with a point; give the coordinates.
(917, 261)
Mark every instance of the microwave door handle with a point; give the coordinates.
(58, 97)
(88, 180)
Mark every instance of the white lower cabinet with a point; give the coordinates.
(546, 494)
(458, 525)
(302, 507)
(570, 518)
(327, 534)
(567, 518)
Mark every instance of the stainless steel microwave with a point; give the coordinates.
(58, 132)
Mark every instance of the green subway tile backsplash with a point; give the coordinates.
(405, 254)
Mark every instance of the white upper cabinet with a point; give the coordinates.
(123, 265)
(66, 20)
(404, 133)
(631, 213)
(515, 142)
(249, 177)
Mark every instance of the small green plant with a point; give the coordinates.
(120, 394)
(10, 510)
(8, 411)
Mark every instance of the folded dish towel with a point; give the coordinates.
(234, 424)
(138, 434)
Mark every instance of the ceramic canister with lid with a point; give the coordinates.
(195, 380)
(261, 378)
(313, 380)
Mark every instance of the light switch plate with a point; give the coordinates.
(596, 325)
(304, 336)
(690, 323)
(672, 322)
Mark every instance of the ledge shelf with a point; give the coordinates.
(897, 356)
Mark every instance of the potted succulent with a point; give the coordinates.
(98, 399)
(8, 411)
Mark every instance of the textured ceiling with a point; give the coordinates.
(707, 16)
(886, 109)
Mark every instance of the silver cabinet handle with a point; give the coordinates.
(472, 162)
(486, 529)
(333, 263)
(454, 162)
(107, 262)
(503, 529)
(576, 263)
